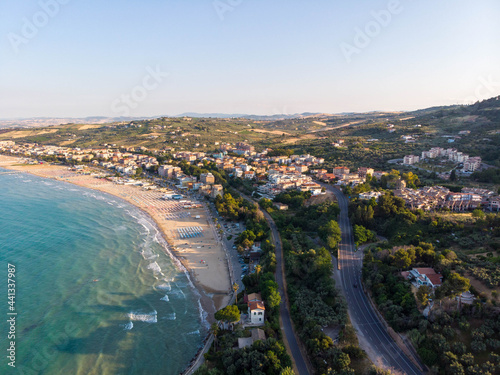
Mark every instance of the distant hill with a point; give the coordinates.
(250, 117)
(37, 122)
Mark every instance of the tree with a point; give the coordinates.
(374, 370)
(273, 299)
(138, 171)
(478, 213)
(456, 368)
(214, 329)
(258, 268)
(453, 175)
(235, 288)
(423, 294)
(402, 259)
(455, 285)
(331, 233)
(228, 314)
(411, 179)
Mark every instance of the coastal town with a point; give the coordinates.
(271, 175)
(221, 252)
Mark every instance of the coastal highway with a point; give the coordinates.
(361, 312)
(290, 338)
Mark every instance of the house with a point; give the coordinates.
(466, 297)
(252, 297)
(207, 178)
(494, 203)
(472, 164)
(216, 190)
(313, 187)
(256, 312)
(410, 159)
(340, 171)
(370, 195)
(281, 206)
(423, 276)
(363, 171)
(249, 175)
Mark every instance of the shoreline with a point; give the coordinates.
(211, 299)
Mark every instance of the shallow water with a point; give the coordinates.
(96, 292)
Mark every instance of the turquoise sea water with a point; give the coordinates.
(96, 292)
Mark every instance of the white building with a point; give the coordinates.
(472, 164)
(410, 159)
(256, 311)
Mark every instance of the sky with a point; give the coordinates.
(75, 58)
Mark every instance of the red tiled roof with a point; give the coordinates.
(426, 271)
(256, 305)
(435, 279)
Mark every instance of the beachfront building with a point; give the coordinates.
(256, 311)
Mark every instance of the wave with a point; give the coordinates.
(197, 332)
(166, 287)
(155, 267)
(170, 316)
(128, 326)
(203, 315)
(165, 298)
(141, 317)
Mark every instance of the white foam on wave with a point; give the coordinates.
(128, 326)
(197, 332)
(165, 286)
(165, 298)
(155, 267)
(141, 317)
(170, 316)
(148, 223)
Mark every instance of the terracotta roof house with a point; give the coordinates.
(423, 276)
(252, 297)
(256, 312)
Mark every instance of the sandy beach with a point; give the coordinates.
(201, 253)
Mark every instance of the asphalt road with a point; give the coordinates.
(361, 311)
(289, 335)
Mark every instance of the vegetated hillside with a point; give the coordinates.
(155, 133)
(366, 135)
(370, 143)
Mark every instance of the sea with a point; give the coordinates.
(96, 291)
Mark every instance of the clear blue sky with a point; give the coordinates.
(255, 56)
